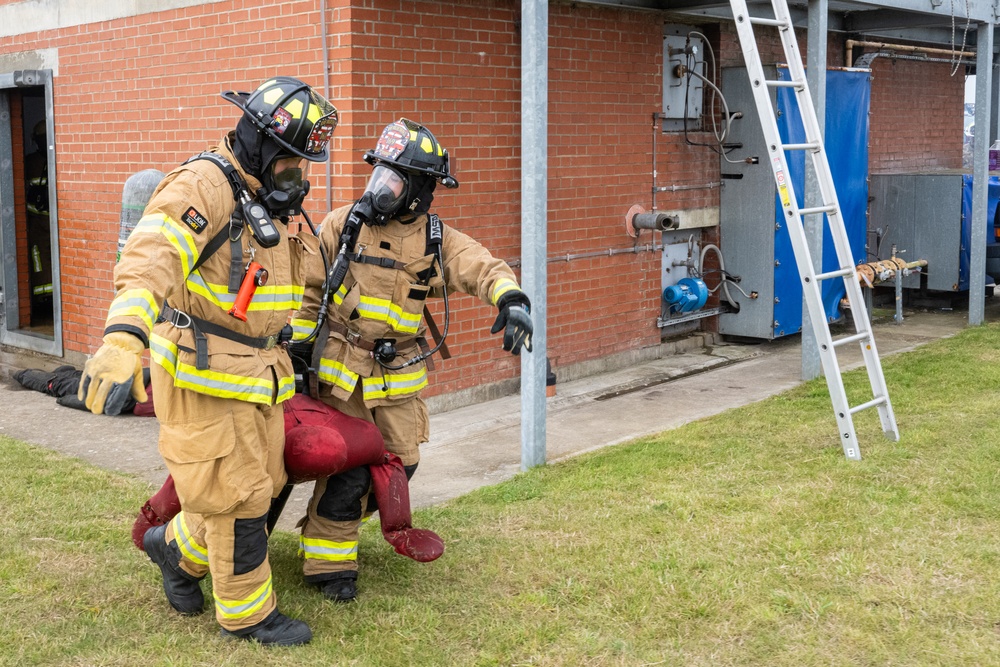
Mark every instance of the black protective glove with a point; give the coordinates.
(515, 320)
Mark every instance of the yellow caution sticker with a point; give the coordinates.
(779, 177)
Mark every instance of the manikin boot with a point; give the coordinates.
(342, 588)
(277, 629)
(182, 589)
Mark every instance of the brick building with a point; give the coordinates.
(132, 89)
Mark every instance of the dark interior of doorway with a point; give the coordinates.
(31, 215)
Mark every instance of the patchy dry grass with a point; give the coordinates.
(744, 539)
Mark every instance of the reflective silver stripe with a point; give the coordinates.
(135, 302)
(501, 287)
(244, 608)
(383, 310)
(214, 383)
(176, 234)
(276, 297)
(302, 328)
(193, 551)
(394, 384)
(317, 549)
(335, 373)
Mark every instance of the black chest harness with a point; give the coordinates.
(233, 232)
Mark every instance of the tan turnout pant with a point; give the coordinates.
(227, 461)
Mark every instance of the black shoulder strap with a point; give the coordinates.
(435, 237)
(235, 180)
(238, 185)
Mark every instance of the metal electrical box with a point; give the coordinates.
(754, 236)
(682, 93)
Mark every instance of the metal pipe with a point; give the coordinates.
(534, 223)
(675, 188)
(851, 43)
(326, 94)
(656, 220)
(610, 252)
(980, 175)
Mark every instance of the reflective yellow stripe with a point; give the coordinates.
(214, 383)
(338, 296)
(383, 310)
(394, 384)
(193, 551)
(268, 297)
(316, 549)
(135, 303)
(43, 289)
(501, 287)
(336, 373)
(242, 608)
(177, 234)
(286, 388)
(302, 328)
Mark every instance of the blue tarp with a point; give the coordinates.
(848, 96)
(992, 198)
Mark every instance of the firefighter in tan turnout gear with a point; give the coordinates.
(208, 280)
(391, 255)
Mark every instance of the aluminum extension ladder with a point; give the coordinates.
(811, 281)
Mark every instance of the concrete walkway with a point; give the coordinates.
(480, 445)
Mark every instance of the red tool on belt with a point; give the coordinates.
(256, 276)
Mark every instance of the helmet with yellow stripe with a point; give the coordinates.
(293, 115)
(412, 148)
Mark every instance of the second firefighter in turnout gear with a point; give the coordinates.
(208, 280)
(373, 363)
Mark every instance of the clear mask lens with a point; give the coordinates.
(387, 188)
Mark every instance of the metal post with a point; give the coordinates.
(534, 193)
(899, 295)
(816, 76)
(980, 182)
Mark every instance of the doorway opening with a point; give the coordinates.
(29, 275)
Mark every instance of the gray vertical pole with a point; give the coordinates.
(980, 173)
(534, 200)
(816, 77)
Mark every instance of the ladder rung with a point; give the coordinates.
(870, 404)
(851, 339)
(830, 208)
(760, 20)
(839, 273)
(813, 146)
(779, 83)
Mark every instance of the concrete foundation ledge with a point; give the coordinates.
(584, 369)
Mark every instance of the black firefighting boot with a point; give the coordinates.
(343, 587)
(183, 590)
(277, 630)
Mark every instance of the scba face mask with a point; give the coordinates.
(286, 187)
(385, 193)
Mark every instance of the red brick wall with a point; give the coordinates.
(916, 116)
(143, 91)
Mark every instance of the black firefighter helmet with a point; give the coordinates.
(295, 117)
(410, 147)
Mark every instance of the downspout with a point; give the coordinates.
(326, 94)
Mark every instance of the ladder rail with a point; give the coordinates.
(832, 215)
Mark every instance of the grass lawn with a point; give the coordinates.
(743, 539)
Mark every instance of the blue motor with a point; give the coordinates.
(689, 294)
